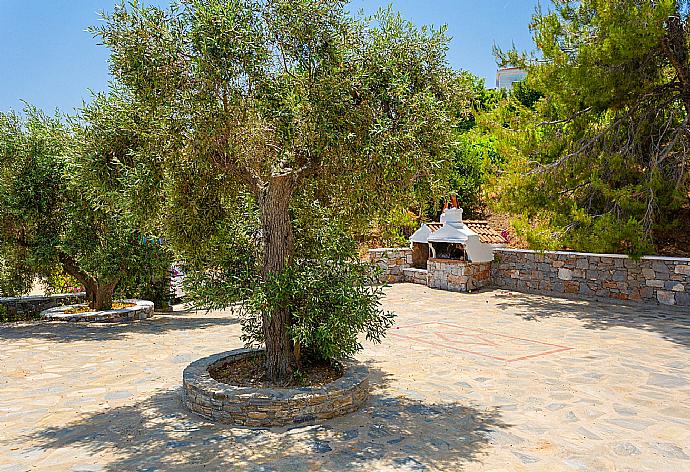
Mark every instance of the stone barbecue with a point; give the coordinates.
(455, 255)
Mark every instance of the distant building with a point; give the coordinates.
(505, 78)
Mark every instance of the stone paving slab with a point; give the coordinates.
(451, 394)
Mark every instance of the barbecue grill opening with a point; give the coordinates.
(454, 251)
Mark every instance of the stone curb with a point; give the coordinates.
(266, 407)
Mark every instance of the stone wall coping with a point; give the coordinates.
(452, 261)
(34, 298)
(142, 309)
(384, 250)
(593, 254)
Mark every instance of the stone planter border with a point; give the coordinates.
(142, 310)
(266, 407)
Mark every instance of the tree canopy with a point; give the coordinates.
(275, 120)
(53, 222)
(599, 150)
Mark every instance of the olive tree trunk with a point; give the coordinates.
(98, 295)
(103, 298)
(274, 202)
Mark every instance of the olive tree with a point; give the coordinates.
(53, 221)
(285, 100)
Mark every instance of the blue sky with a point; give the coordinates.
(47, 59)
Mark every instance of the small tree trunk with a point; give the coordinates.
(274, 202)
(103, 297)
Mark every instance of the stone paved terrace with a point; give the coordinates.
(463, 382)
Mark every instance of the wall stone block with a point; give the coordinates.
(647, 280)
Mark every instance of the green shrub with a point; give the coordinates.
(331, 303)
(150, 278)
(331, 296)
(57, 281)
(397, 227)
(474, 158)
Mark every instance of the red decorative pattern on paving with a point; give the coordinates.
(500, 347)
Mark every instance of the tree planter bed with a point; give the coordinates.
(141, 310)
(262, 407)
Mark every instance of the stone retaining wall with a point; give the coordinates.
(27, 307)
(260, 407)
(392, 262)
(662, 280)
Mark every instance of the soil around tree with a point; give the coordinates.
(77, 309)
(250, 371)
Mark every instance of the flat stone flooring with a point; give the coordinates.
(479, 381)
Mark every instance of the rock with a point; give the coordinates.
(666, 298)
(555, 406)
(350, 434)
(524, 458)
(565, 274)
(378, 431)
(670, 451)
(624, 411)
(626, 449)
(502, 438)
(635, 425)
(666, 381)
(320, 447)
(409, 463)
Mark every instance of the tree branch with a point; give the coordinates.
(566, 120)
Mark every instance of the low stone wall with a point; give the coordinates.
(458, 276)
(392, 262)
(416, 276)
(662, 280)
(260, 407)
(28, 307)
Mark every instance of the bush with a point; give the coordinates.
(150, 279)
(60, 282)
(331, 303)
(474, 159)
(331, 295)
(397, 227)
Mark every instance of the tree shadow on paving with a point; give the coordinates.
(387, 433)
(672, 323)
(161, 323)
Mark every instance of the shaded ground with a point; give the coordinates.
(463, 382)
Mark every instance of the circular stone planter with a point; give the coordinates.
(141, 310)
(261, 407)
